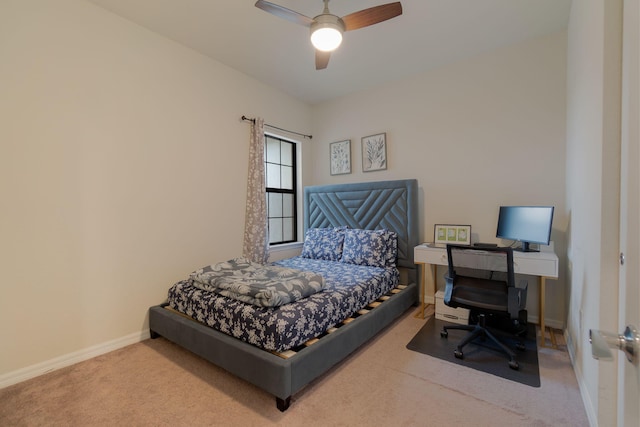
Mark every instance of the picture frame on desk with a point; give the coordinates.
(452, 233)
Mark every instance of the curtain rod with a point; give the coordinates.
(247, 119)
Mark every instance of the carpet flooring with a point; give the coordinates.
(483, 356)
(156, 383)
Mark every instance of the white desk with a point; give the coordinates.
(541, 264)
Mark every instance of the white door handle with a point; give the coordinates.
(628, 342)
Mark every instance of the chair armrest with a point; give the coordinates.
(524, 285)
(448, 290)
(517, 298)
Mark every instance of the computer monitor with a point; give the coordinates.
(525, 224)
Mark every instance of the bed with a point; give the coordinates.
(284, 368)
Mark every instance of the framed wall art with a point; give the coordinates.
(374, 152)
(449, 233)
(340, 157)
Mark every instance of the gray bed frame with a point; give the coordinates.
(372, 205)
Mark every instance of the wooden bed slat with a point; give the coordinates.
(286, 354)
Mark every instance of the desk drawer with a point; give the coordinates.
(535, 267)
(450, 314)
(428, 255)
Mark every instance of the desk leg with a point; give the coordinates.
(423, 286)
(431, 293)
(543, 328)
(423, 291)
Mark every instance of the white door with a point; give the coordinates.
(629, 286)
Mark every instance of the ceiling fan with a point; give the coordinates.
(327, 29)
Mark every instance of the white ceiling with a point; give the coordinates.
(429, 33)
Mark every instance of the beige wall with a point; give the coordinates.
(123, 166)
(477, 134)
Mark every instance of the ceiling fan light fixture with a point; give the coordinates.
(327, 28)
(326, 32)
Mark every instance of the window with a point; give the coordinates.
(280, 169)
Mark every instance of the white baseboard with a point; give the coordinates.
(70, 359)
(550, 323)
(584, 393)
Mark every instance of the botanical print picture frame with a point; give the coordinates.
(340, 157)
(450, 233)
(374, 152)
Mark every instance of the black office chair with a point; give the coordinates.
(482, 280)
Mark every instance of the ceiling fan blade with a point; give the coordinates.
(284, 13)
(322, 59)
(371, 16)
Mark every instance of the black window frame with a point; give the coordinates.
(293, 191)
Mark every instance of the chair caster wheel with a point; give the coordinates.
(514, 365)
(520, 346)
(458, 354)
(444, 334)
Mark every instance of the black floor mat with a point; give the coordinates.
(482, 355)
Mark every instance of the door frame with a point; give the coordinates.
(628, 375)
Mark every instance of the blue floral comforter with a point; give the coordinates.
(348, 288)
(254, 283)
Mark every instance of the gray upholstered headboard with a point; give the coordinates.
(392, 205)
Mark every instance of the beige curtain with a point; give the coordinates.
(256, 241)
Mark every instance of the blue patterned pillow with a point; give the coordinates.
(323, 243)
(375, 248)
(391, 254)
